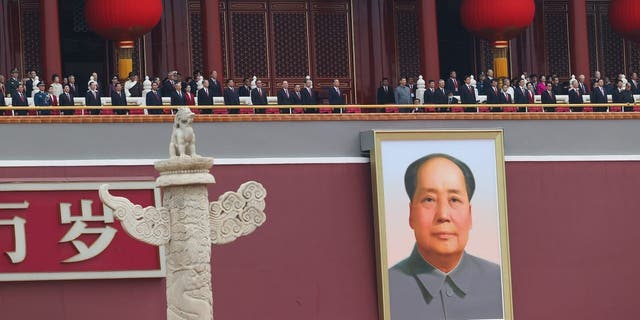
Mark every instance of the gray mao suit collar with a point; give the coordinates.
(433, 279)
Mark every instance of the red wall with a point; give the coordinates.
(572, 228)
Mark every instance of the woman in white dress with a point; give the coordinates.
(56, 86)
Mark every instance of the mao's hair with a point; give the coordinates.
(411, 175)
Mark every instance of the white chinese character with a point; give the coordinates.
(79, 228)
(18, 223)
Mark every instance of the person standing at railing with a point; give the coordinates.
(93, 98)
(245, 89)
(549, 97)
(309, 96)
(54, 99)
(599, 96)
(214, 85)
(231, 97)
(177, 96)
(452, 84)
(493, 96)
(467, 96)
(629, 97)
(505, 98)
(73, 89)
(66, 100)
(520, 94)
(205, 97)
(259, 97)
(531, 98)
(119, 98)
(582, 86)
(18, 99)
(403, 95)
(337, 99)
(154, 99)
(429, 97)
(441, 96)
(296, 99)
(190, 98)
(284, 96)
(42, 99)
(574, 96)
(385, 94)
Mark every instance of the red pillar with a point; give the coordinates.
(578, 38)
(50, 33)
(428, 32)
(212, 38)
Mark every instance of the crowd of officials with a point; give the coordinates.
(198, 90)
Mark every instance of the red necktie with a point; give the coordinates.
(260, 92)
(55, 100)
(455, 84)
(287, 93)
(206, 92)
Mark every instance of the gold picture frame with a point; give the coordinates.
(390, 152)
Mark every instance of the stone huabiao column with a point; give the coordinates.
(187, 223)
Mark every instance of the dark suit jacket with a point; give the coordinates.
(231, 97)
(176, 99)
(519, 96)
(387, 97)
(167, 88)
(619, 97)
(28, 87)
(574, 97)
(64, 102)
(119, 100)
(73, 90)
(467, 95)
(309, 98)
(493, 97)
(504, 99)
(450, 87)
(215, 88)
(429, 96)
(136, 90)
(335, 98)
(90, 100)
(440, 97)
(548, 98)
(295, 99)
(584, 89)
(597, 96)
(282, 97)
(244, 91)
(205, 99)
(257, 99)
(154, 99)
(17, 102)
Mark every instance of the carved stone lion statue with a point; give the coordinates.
(183, 139)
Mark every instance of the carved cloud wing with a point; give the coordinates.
(237, 214)
(150, 225)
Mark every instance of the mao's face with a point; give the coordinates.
(440, 212)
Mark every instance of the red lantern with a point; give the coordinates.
(624, 17)
(497, 20)
(122, 19)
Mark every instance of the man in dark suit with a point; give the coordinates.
(385, 93)
(214, 85)
(18, 99)
(635, 83)
(92, 98)
(29, 83)
(205, 97)
(429, 93)
(492, 92)
(119, 98)
(73, 87)
(335, 95)
(505, 98)
(154, 99)
(259, 97)
(66, 100)
(548, 97)
(296, 95)
(177, 96)
(468, 94)
(168, 84)
(309, 96)
(575, 97)
(582, 86)
(488, 79)
(520, 93)
(598, 95)
(285, 97)
(245, 89)
(440, 97)
(231, 97)
(452, 84)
